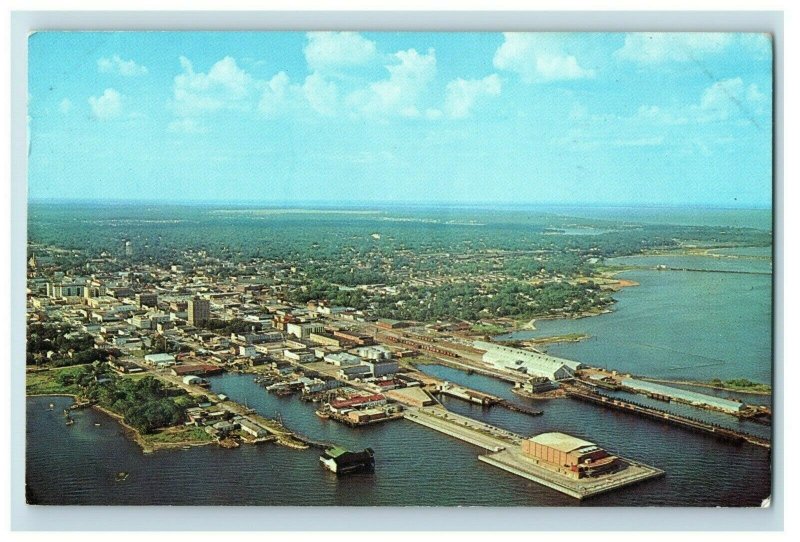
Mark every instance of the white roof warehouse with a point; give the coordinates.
(532, 363)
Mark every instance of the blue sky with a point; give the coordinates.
(601, 119)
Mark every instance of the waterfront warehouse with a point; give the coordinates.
(684, 396)
(342, 461)
(532, 363)
(572, 456)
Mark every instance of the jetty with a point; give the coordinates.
(670, 418)
(449, 389)
(506, 450)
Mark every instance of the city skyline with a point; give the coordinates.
(394, 118)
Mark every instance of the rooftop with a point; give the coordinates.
(561, 441)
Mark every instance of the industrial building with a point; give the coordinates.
(684, 396)
(302, 331)
(379, 368)
(351, 372)
(526, 361)
(252, 428)
(360, 339)
(160, 360)
(357, 402)
(374, 352)
(569, 455)
(342, 359)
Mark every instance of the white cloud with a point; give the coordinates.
(433, 114)
(65, 106)
(108, 106)
(727, 98)
(658, 115)
(118, 66)
(724, 100)
(186, 126)
(654, 47)
(277, 96)
(322, 95)
(225, 86)
(398, 94)
(539, 57)
(462, 94)
(327, 51)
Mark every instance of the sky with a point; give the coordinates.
(344, 117)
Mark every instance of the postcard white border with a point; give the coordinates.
(92, 518)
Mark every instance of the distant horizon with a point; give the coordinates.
(344, 204)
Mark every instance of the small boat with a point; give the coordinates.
(97, 425)
(323, 414)
(121, 476)
(52, 406)
(70, 421)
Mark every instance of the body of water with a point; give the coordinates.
(414, 465)
(678, 324)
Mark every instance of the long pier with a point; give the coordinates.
(503, 450)
(666, 417)
(463, 428)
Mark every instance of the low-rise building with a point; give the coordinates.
(252, 428)
(351, 372)
(379, 368)
(358, 402)
(160, 360)
(568, 455)
(342, 359)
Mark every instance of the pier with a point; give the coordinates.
(516, 462)
(667, 417)
(466, 394)
(505, 452)
(463, 428)
(484, 399)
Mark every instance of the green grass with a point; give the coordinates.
(175, 435)
(46, 382)
(488, 329)
(568, 337)
(741, 384)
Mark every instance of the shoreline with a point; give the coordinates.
(130, 432)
